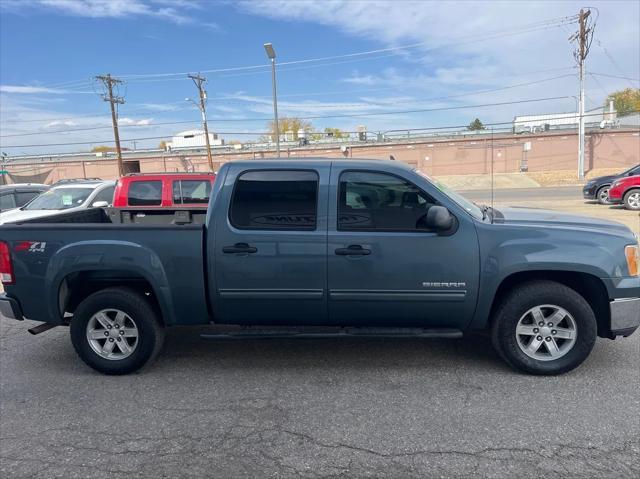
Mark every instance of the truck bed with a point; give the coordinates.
(169, 257)
(134, 215)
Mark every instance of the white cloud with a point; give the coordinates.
(171, 10)
(60, 123)
(129, 121)
(467, 46)
(26, 89)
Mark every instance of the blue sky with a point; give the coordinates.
(460, 54)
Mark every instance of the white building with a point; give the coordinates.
(552, 121)
(193, 139)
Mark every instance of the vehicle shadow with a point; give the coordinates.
(184, 348)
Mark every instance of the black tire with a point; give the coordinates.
(150, 332)
(599, 195)
(536, 293)
(632, 205)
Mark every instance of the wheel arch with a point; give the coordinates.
(628, 192)
(78, 285)
(87, 266)
(589, 286)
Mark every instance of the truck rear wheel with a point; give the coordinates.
(544, 327)
(116, 331)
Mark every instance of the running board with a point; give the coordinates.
(41, 328)
(322, 332)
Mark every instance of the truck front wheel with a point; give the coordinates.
(544, 327)
(116, 331)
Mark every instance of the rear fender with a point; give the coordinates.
(107, 255)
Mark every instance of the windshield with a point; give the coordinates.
(469, 206)
(59, 199)
(634, 170)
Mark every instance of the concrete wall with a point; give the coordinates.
(549, 151)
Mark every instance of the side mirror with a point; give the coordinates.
(99, 204)
(439, 219)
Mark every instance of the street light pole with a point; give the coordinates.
(271, 53)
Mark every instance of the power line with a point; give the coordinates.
(355, 115)
(512, 122)
(614, 76)
(254, 133)
(340, 92)
(261, 69)
(527, 28)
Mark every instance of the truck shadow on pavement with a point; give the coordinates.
(186, 349)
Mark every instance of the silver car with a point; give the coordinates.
(64, 198)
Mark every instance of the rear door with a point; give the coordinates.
(385, 267)
(270, 246)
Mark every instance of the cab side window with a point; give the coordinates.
(7, 202)
(106, 195)
(381, 202)
(191, 192)
(145, 193)
(275, 200)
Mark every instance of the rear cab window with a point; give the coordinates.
(275, 200)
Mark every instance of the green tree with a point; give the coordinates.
(335, 133)
(476, 125)
(625, 101)
(287, 124)
(106, 149)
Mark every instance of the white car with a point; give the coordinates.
(66, 197)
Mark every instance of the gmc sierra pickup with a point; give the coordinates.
(331, 247)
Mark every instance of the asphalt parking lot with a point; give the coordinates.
(319, 407)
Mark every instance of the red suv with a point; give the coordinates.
(626, 191)
(164, 190)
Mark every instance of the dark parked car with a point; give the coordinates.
(598, 188)
(19, 194)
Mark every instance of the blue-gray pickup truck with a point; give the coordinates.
(321, 246)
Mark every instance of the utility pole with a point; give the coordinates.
(584, 37)
(199, 81)
(109, 83)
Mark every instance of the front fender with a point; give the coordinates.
(98, 255)
(559, 251)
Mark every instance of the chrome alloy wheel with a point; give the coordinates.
(112, 334)
(603, 195)
(634, 200)
(546, 332)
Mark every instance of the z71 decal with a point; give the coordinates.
(32, 246)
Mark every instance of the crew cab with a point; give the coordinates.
(164, 190)
(626, 191)
(327, 246)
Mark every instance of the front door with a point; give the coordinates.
(386, 268)
(271, 247)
